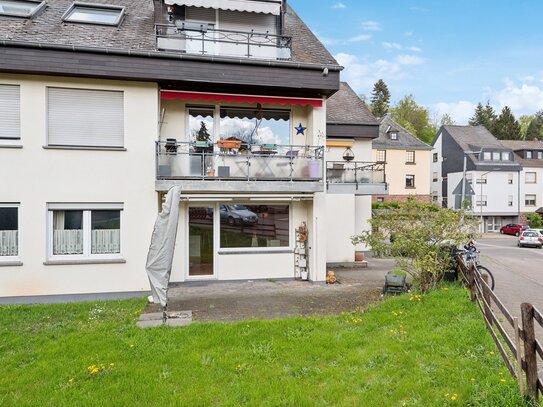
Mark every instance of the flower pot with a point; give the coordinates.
(358, 256)
(229, 144)
(304, 275)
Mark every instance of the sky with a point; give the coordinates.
(449, 54)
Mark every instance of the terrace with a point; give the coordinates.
(356, 177)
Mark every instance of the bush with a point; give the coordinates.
(534, 220)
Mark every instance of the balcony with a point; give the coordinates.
(199, 39)
(355, 177)
(224, 167)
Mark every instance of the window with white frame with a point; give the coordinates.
(540, 155)
(496, 156)
(410, 181)
(435, 157)
(10, 120)
(529, 200)
(510, 178)
(487, 155)
(481, 200)
(20, 8)
(394, 135)
(9, 231)
(81, 231)
(509, 200)
(380, 199)
(528, 154)
(410, 157)
(506, 156)
(85, 118)
(530, 178)
(103, 14)
(381, 156)
(434, 177)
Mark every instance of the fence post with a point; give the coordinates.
(486, 297)
(518, 356)
(530, 350)
(472, 287)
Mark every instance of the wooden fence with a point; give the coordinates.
(519, 347)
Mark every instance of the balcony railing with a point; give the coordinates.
(355, 172)
(268, 162)
(191, 38)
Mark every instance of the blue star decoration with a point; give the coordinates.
(300, 129)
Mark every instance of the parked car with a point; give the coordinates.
(513, 229)
(530, 237)
(237, 215)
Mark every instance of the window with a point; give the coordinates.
(94, 14)
(10, 121)
(381, 156)
(380, 199)
(410, 157)
(529, 200)
(469, 178)
(528, 154)
(85, 118)
(495, 156)
(9, 231)
(487, 155)
(20, 8)
(434, 177)
(506, 156)
(510, 178)
(481, 200)
(79, 232)
(540, 155)
(435, 157)
(201, 124)
(509, 200)
(394, 135)
(530, 177)
(482, 180)
(253, 226)
(410, 181)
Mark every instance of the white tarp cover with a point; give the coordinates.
(252, 6)
(160, 257)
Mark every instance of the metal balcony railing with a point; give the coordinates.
(355, 172)
(267, 162)
(192, 38)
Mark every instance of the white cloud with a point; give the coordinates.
(408, 33)
(391, 45)
(410, 60)
(371, 26)
(460, 111)
(522, 98)
(414, 49)
(339, 5)
(360, 38)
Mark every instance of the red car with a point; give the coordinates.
(513, 229)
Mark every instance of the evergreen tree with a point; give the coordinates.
(380, 99)
(535, 128)
(203, 134)
(483, 116)
(506, 127)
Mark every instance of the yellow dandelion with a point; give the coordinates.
(491, 353)
(131, 345)
(111, 364)
(503, 380)
(453, 397)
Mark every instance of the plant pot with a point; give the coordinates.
(304, 275)
(229, 144)
(358, 256)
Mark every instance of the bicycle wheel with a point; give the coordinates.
(484, 271)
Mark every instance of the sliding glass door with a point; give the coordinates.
(201, 238)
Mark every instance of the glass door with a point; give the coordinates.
(201, 240)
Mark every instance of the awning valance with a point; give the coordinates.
(233, 98)
(251, 6)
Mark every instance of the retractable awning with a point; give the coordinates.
(251, 6)
(230, 98)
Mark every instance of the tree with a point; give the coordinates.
(535, 128)
(534, 220)
(483, 116)
(524, 122)
(446, 120)
(380, 99)
(506, 127)
(415, 118)
(424, 235)
(203, 134)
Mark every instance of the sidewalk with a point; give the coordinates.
(268, 299)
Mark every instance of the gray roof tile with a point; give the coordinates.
(345, 107)
(405, 139)
(521, 145)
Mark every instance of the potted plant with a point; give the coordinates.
(201, 140)
(229, 143)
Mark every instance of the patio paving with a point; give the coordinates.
(268, 299)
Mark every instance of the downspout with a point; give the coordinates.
(518, 188)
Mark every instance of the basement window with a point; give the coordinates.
(20, 8)
(94, 14)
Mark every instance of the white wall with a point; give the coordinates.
(35, 176)
(535, 189)
(436, 187)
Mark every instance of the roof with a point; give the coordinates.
(136, 31)
(406, 140)
(522, 145)
(345, 107)
(473, 138)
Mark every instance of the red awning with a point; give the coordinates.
(229, 98)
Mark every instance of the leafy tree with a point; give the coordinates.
(446, 120)
(506, 127)
(415, 118)
(524, 122)
(380, 99)
(423, 236)
(483, 116)
(534, 220)
(535, 128)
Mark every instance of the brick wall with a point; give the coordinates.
(401, 198)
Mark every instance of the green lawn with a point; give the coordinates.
(415, 351)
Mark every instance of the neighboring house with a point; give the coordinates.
(104, 107)
(530, 155)
(407, 162)
(492, 175)
(351, 175)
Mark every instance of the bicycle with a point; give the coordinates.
(471, 256)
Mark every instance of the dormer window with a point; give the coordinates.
(487, 155)
(528, 154)
(394, 135)
(506, 156)
(20, 8)
(94, 14)
(540, 155)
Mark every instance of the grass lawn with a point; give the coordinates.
(414, 351)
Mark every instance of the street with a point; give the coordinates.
(518, 271)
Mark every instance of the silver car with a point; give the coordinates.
(530, 237)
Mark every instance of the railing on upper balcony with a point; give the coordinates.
(355, 172)
(267, 162)
(192, 38)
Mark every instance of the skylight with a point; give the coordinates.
(20, 8)
(94, 14)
